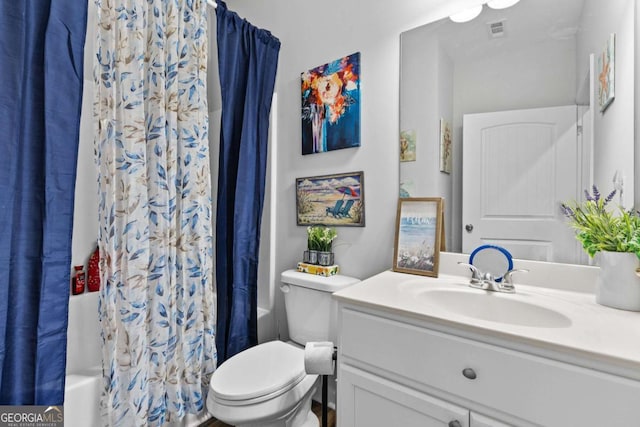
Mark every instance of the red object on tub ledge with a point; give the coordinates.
(93, 270)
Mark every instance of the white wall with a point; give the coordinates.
(85, 218)
(636, 183)
(614, 128)
(427, 99)
(312, 34)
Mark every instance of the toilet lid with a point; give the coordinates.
(259, 371)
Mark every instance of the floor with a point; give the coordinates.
(317, 409)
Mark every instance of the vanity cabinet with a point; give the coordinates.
(394, 370)
(478, 420)
(367, 400)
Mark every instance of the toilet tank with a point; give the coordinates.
(311, 312)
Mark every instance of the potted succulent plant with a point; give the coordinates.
(319, 243)
(614, 235)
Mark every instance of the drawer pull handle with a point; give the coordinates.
(455, 423)
(469, 373)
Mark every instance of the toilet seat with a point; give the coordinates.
(265, 385)
(258, 374)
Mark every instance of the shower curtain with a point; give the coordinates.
(248, 59)
(41, 76)
(155, 238)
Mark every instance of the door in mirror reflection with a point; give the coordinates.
(518, 167)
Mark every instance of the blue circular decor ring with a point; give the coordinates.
(505, 252)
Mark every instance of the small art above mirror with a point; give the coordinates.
(502, 117)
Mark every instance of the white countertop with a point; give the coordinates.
(595, 333)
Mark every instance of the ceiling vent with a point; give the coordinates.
(496, 29)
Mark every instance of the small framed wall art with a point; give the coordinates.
(606, 73)
(408, 146)
(331, 106)
(418, 236)
(331, 200)
(445, 146)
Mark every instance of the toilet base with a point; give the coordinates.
(291, 409)
(300, 416)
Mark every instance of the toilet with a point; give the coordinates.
(267, 385)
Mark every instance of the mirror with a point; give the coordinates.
(494, 260)
(485, 89)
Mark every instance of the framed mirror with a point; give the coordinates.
(512, 97)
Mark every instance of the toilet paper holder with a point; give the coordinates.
(320, 359)
(325, 391)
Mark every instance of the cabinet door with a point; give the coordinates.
(370, 401)
(477, 420)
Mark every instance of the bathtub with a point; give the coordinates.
(83, 383)
(83, 379)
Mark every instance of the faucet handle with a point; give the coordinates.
(473, 268)
(507, 280)
(476, 275)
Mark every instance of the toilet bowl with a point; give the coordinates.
(267, 385)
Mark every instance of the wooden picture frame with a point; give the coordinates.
(331, 200)
(418, 236)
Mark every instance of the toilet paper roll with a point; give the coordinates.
(318, 358)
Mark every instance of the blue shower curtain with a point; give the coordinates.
(248, 59)
(41, 63)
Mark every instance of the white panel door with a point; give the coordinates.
(518, 167)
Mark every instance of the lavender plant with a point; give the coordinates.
(600, 229)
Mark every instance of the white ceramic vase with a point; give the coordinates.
(618, 285)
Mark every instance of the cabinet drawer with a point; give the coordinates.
(533, 388)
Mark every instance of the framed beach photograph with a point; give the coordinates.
(418, 236)
(331, 106)
(331, 200)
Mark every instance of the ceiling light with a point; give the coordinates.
(501, 4)
(466, 15)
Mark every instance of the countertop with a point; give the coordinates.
(608, 337)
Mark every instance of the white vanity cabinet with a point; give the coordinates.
(368, 400)
(404, 370)
(477, 420)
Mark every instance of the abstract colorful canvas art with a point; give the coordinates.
(331, 106)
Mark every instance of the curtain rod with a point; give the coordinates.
(212, 3)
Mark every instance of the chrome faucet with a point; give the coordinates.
(487, 282)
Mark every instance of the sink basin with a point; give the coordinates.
(495, 307)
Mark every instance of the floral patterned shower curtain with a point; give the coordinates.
(155, 238)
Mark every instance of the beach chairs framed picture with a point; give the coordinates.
(418, 235)
(332, 200)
